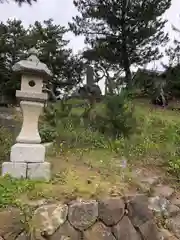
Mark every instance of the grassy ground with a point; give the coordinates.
(87, 172)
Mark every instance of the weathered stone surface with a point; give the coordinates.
(138, 210)
(150, 180)
(83, 214)
(98, 232)
(174, 225)
(66, 231)
(28, 153)
(149, 231)
(34, 203)
(164, 234)
(48, 218)
(111, 210)
(176, 200)
(10, 223)
(39, 171)
(159, 205)
(146, 183)
(173, 210)
(124, 230)
(144, 187)
(163, 191)
(32, 64)
(15, 170)
(65, 238)
(22, 236)
(47, 145)
(58, 222)
(173, 238)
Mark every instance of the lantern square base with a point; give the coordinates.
(27, 153)
(15, 170)
(39, 171)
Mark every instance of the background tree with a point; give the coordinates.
(121, 33)
(66, 67)
(172, 68)
(48, 38)
(20, 2)
(12, 47)
(104, 70)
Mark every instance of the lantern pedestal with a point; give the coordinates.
(29, 131)
(14, 169)
(27, 161)
(28, 155)
(34, 171)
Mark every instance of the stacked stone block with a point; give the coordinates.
(27, 161)
(107, 219)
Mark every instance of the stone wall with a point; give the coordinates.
(127, 218)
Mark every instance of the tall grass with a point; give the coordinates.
(5, 144)
(155, 139)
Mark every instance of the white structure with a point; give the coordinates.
(28, 154)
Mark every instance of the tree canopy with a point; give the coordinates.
(48, 38)
(121, 32)
(20, 2)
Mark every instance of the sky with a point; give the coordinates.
(63, 10)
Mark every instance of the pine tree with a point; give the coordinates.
(172, 69)
(12, 48)
(48, 38)
(20, 2)
(122, 32)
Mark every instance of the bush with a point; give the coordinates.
(47, 133)
(73, 134)
(5, 143)
(55, 112)
(174, 167)
(118, 120)
(156, 140)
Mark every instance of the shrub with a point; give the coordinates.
(55, 112)
(73, 134)
(47, 133)
(118, 119)
(156, 142)
(174, 167)
(5, 143)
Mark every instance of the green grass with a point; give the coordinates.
(11, 189)
(88, 165)
(5, 143)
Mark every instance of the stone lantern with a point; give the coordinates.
(28, 154)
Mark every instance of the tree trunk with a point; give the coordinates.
(126, 62)
(110, 86)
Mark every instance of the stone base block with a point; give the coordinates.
(16, 170)
(28, 153)
(39, 171)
